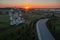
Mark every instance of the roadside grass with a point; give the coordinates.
(56, 24)
(57, 29)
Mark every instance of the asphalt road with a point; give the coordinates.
(42, 30)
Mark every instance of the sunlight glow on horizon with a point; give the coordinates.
(27, 7)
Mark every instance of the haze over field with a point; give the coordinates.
(30, 3)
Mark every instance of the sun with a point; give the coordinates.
(26, 7)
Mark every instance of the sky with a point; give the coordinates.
(31, 3)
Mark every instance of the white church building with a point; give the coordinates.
(15, 17)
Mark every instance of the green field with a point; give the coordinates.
(25, 31)
(57, 29)
(4, 21)
(54, 28)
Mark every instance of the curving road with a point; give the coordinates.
(42, 31)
